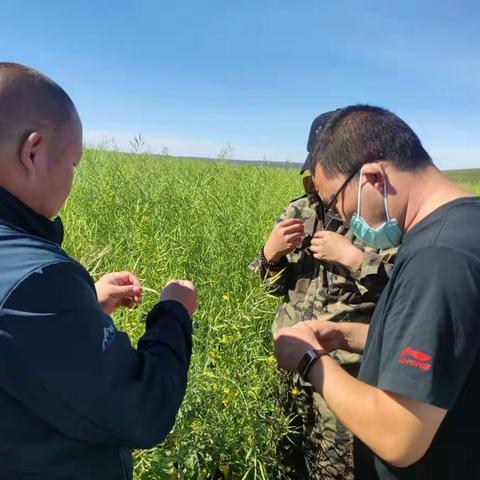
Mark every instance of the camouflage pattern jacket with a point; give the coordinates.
(318, 290)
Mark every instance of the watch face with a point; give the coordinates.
(312, 354)
(307, 359)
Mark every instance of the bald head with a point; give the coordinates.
(30, 101)
(40, 138)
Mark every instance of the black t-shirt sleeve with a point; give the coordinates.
(431, 330)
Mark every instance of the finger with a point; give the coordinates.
(134, 279)
(120, 278)
(319, 254)
(131, 302)
(297, 243)
(293, 237)
(297, 233)
(289, 221)
(329, 235)
(316, 245)
(326, 235)
(125, 291)
(293, 228)
(137, 299)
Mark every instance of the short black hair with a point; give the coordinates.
(360, 134)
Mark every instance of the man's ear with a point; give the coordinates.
(373, 173)
(29, 150)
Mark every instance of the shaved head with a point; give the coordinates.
(40, 138)
(30, 101)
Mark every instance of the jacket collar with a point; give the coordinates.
(18, 214)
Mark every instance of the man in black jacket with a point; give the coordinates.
(75, 396)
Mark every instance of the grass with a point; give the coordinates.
(164, 218)
(471, 176)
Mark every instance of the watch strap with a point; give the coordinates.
(308, 360)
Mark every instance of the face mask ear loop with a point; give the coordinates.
(385, 198)
(359, 197)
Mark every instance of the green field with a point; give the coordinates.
(468, 175)
(161, 218)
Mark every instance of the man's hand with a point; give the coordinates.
(292, 343)
(285, 236)
(332, 336)
(332, 247)
(118, 289)
(182, 291)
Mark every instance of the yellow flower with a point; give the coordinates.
(214, 387)
(225, 470)
(212, 353)
(195, 425)
(295, 391)
(226, 390)
(271, 360)
(226, 297)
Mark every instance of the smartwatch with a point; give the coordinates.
(307, 361)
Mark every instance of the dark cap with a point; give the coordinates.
(317, 126)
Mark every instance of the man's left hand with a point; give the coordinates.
(332, 247)
(118, 289)
(292, 343)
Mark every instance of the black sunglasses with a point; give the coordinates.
(334, 199)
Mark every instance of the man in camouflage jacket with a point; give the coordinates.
(343, 286)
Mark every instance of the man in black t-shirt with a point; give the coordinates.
(414, 407)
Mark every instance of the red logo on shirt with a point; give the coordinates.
(414, 358)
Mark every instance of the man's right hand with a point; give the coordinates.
(332, 336)
(182, 291)
(286, 236)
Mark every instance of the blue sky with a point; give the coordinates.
(194, 76)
